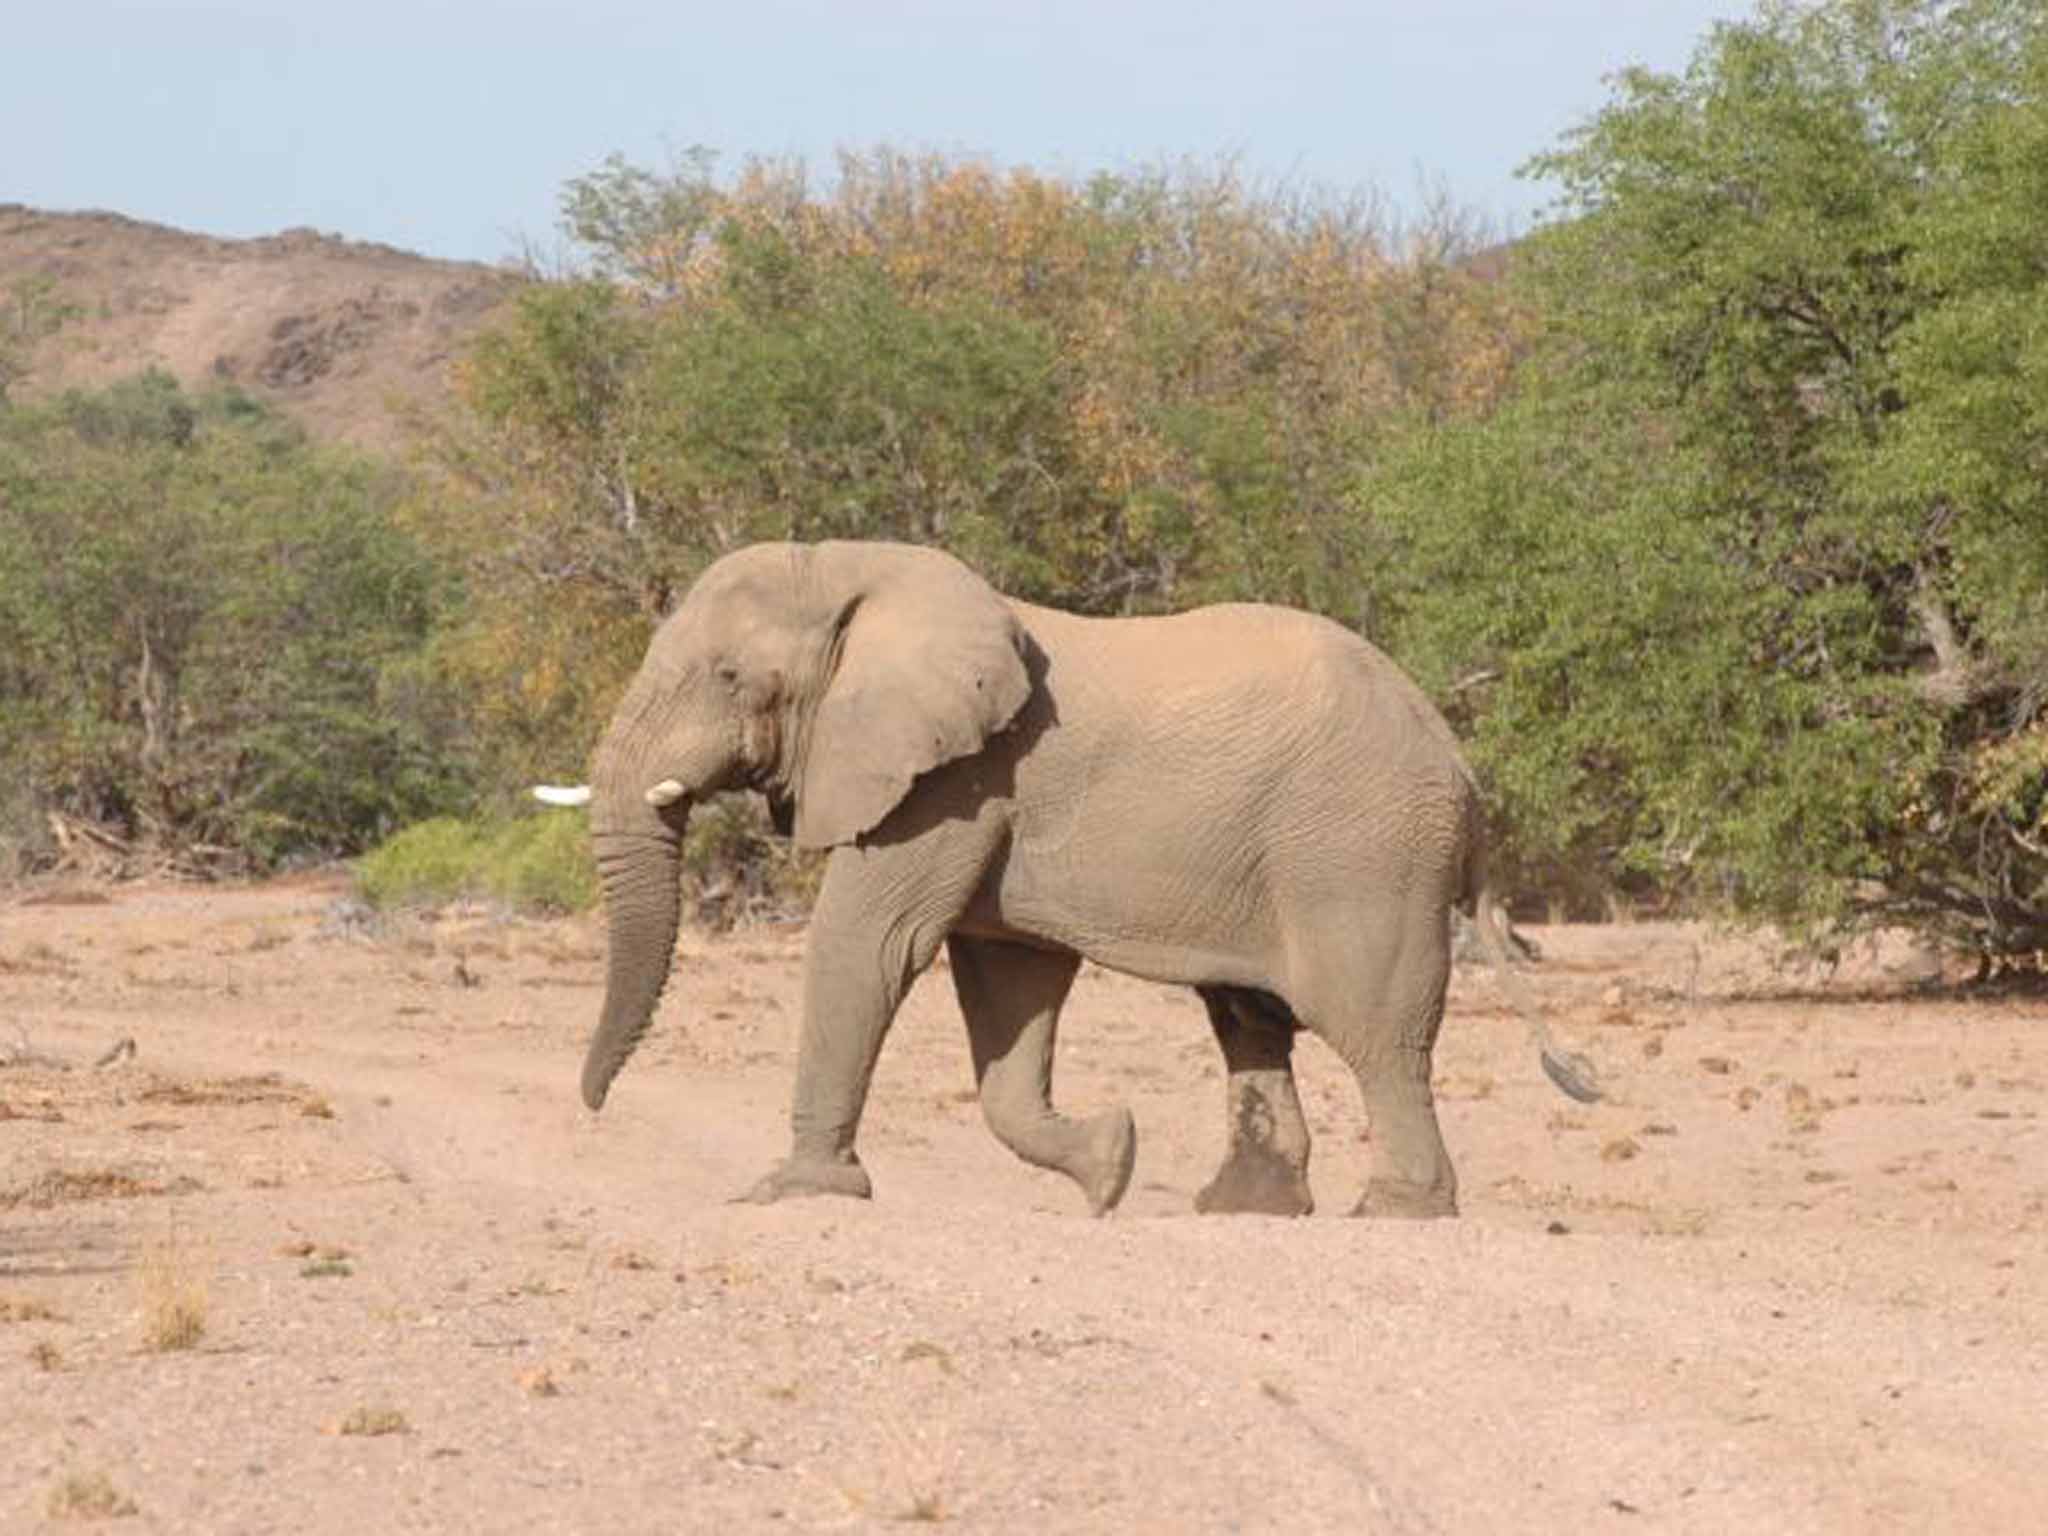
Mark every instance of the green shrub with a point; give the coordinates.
(1742, 592)
(425, 865)
(529, 864)
(211, 634)
(541, 863)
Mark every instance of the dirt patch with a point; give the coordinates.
(337, 1249)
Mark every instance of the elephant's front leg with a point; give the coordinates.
(1011, 997)
(1266, 1169)
(877, 923)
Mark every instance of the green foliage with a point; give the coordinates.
(535, 863)
(209, 631)
(1126, 396)
(428, 864)
(1748, 589)
(733, 867)
(1719, 529)
(542, 863)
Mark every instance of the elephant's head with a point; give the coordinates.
(826, 676)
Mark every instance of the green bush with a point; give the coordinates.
(427, 864)
(1741, 596)
(211, 632)
(541, 863)
(531, 864)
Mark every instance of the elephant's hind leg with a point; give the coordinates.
(1266, 1168)
(1011, 997)
(1379, 1001)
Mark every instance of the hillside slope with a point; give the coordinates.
(342, 336)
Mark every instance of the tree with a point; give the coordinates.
(1757, 556)
(1130, 394)
(210, 633)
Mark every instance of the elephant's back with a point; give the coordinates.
(1219, 639)
(1251, 651)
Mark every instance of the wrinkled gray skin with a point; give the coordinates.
(1248, 800)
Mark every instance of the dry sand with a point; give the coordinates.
(1793, 1276)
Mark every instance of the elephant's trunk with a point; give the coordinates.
(640, 869)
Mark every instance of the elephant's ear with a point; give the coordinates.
(929, 666)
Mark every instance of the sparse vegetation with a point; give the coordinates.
(251, 1088)
(59, 1185)
(172, 1285)
(372, 1421)
(925, 1508)
(89, 1496)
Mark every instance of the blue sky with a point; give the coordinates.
(449, 126)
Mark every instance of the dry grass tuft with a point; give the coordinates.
(45, 1112)
(259, 1088)
(306, 1248)
(172, 1281)
(45, 1356)
(89, 1496)
(370, 1421)
(924, 1349)
(539, 1381)
(38, 959)
(925, 1508)
(64, 1184)
(68, 895)
(26, 1309)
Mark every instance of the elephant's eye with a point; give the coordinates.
(727, 674)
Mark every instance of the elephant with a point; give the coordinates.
(1245, 799)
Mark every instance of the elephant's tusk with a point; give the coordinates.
(562, 794)
(667, 792)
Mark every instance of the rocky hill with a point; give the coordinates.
(344, 337)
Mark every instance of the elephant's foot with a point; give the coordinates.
(1402, 1199)
(1256, 1180)
(1103, 1169)
(797, 1177)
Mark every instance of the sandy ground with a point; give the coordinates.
(1792, 1277)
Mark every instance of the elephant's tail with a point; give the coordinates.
(1570, 1071)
